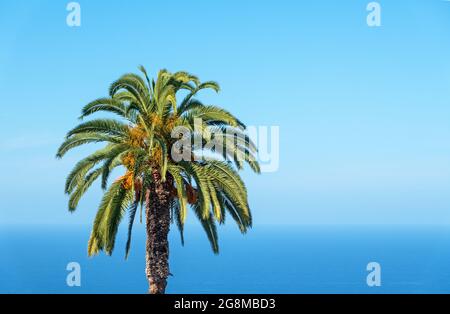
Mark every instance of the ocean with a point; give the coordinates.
(269, 259)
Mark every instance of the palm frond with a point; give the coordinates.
(101, 127)
(132, 214)
(106, 105)
(210, 228)
(84, 138)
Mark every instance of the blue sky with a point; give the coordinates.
(364, 113)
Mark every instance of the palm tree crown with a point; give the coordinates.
(145, 140)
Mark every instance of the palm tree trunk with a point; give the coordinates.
(158, 198)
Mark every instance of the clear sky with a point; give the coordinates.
(364, 113)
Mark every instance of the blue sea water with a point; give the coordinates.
(270, 259)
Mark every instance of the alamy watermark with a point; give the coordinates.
(374, 277)
(258, 144)
(374, 16)
(74, 17)
(73, 279)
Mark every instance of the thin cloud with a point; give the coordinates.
(27, 142)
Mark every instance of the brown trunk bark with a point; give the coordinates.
(158, 198)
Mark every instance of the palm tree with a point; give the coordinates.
(146, 141)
